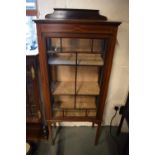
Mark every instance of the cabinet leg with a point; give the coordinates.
(49, 131)
(50, 136)
(97, 133)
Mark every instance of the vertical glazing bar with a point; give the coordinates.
(63, 113)
(75, 82)
(92, 45)
(50, 77)
(60, 44)
(100, 75)
(48, 44)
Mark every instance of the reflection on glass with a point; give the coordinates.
(72, 44)
(31, 37)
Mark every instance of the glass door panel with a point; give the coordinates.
(76, 68)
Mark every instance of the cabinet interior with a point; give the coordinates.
(75, 73)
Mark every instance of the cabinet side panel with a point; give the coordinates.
(44, 73)
(106, 75)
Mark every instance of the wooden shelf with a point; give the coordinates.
(91, 113)
(75, 113)
(82, 102)
(82, 59)
(90, 59)
(63, 105)
(87, 88)
(62, 59)
(85, 105)
(83, 88)
(64, 88)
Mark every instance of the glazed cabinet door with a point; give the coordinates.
(75, 68)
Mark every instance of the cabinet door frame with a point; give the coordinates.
(50, 30)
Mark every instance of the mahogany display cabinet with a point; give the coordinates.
(35, 129)
(76, 48)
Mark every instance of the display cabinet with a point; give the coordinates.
(34, 121)
(76, 48)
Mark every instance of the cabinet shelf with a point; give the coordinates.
(82, 88)
(90, 59)
(79, 105)
(74, 113)
(82, 59)
(62, 59)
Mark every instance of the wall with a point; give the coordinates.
(115, 10)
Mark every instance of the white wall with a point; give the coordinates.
(115, 10)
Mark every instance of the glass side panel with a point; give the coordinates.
(99, 45)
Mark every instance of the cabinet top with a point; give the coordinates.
(61, 15)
